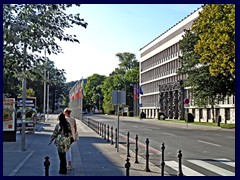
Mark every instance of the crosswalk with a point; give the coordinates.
(203, 167)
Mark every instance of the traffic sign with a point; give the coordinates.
(186, 101)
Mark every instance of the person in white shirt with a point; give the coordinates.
(73, 125)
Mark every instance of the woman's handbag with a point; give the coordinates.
(76, 136)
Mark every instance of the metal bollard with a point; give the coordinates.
(163, 163)
(180, 173)
(100, 129)
(147, 156)
(104, 136)
(127, 166)
(136, 150)
(128, 144)
(46, 165)
(116, 138)
(111, 135)
(107, 133)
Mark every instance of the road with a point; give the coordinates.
(207, 151)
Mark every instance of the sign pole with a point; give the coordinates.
(186, 104)
(118, 129)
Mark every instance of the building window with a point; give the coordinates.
(227, 113)
(193, 112)
(200, 113)
(208, 113)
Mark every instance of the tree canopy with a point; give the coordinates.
(216, 46)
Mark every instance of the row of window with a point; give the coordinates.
(154, 86)
(161, 57)
(226, 100)
(161, 71)
(209, 114)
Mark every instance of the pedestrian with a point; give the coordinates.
(73, 125)
(62, 135)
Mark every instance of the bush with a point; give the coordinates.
(130, 113)
(161, 116)
(143, 115)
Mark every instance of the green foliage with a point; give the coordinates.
(121, 79)
(206, 89)
(29, 30)
(107, 89)
(216, 46)
(94, 94)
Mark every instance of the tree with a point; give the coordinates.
(216, 46)
(94, 94)
(127, 61)
(107, 89)
(29, 31)
(206, 89)
(121, 79)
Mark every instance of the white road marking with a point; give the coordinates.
(169, 134)
(186, 171)
(226, 161)
(215, 169)
(13, 173)
(208, 143)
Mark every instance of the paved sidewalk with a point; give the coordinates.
(92, 155)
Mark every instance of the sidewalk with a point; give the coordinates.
(92, 155)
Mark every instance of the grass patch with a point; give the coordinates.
(228, 126)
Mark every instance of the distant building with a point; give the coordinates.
(159, 61)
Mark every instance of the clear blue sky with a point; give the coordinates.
(112, 29)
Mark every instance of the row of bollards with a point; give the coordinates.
(104, 131)
(147, 169)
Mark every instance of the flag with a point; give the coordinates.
(140, 90)
(135, 93)
(83, 88)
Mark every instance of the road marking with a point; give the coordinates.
(208, 143)
(186, 171)
(13, 173)
(226, 161)
(212, 168)
(169, 134)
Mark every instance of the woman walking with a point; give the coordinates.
(62, 135)
(73, 125)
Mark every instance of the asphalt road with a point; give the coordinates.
(200, 145)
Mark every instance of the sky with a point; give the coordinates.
(112, 29)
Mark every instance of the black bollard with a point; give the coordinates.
(127, 166)
(107, 133)
(111, 135)
(105, 128)
(163, 163)
(128, 144)
(136, 150)
(116, 138)
(147, 156)
(46, 165)
(100, 129)
(180, 173)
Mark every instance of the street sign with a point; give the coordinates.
(119, 97)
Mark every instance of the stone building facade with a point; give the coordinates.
(159, 61)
